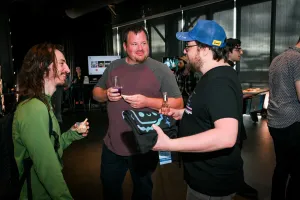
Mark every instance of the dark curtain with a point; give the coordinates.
(7, 75)
(108, 39)
(91, 36)
(69, 54)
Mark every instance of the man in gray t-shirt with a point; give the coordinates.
(143, 80)
(284, 122)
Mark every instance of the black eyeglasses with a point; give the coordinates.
(238, 49)
(189, 46)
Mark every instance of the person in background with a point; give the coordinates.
(210, 126)
(284, 122)
(77, 86)
(234, 55)
(235, 52)
(186, 78)
(143, 81)
(67, 97)
(43, 69)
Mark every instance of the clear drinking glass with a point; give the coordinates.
(117, 84)
(165, 108)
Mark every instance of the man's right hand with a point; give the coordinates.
(175, 113)
(113, 95)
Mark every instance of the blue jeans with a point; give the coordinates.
(114, 168)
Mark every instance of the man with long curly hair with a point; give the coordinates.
(44, 67)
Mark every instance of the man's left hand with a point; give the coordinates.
(76, 126)
(164, 143)
(136, 101)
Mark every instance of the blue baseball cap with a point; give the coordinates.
(207, 32)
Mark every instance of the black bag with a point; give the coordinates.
(141, 124)
(10, 182)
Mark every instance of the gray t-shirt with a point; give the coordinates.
(150, 79)
(284, 106)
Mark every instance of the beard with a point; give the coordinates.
(61, 79)
(141, 59)
(196, 63)
(137, 59)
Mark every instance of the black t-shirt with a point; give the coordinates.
(217, 95)
(230, 63)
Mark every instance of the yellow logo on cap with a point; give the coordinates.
(217, 43)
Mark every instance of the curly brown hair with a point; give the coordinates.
(35, 66)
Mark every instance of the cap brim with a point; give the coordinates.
(183, 36)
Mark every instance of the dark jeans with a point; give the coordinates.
(77, 93)
(114, 168)
(287, 150)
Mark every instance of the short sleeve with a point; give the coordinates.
(102, 81)
(167, 79)
(169, 85)
(222, 101)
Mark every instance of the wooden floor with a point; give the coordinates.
(82, 163)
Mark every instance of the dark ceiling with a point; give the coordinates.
(76, 8)
(100, 11)
(70, 8)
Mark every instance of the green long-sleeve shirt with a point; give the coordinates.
(31, 139)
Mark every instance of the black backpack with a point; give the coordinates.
(10, 182)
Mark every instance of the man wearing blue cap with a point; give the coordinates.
(211, 122)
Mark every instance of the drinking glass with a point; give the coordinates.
(117, 84)
(165, 108)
